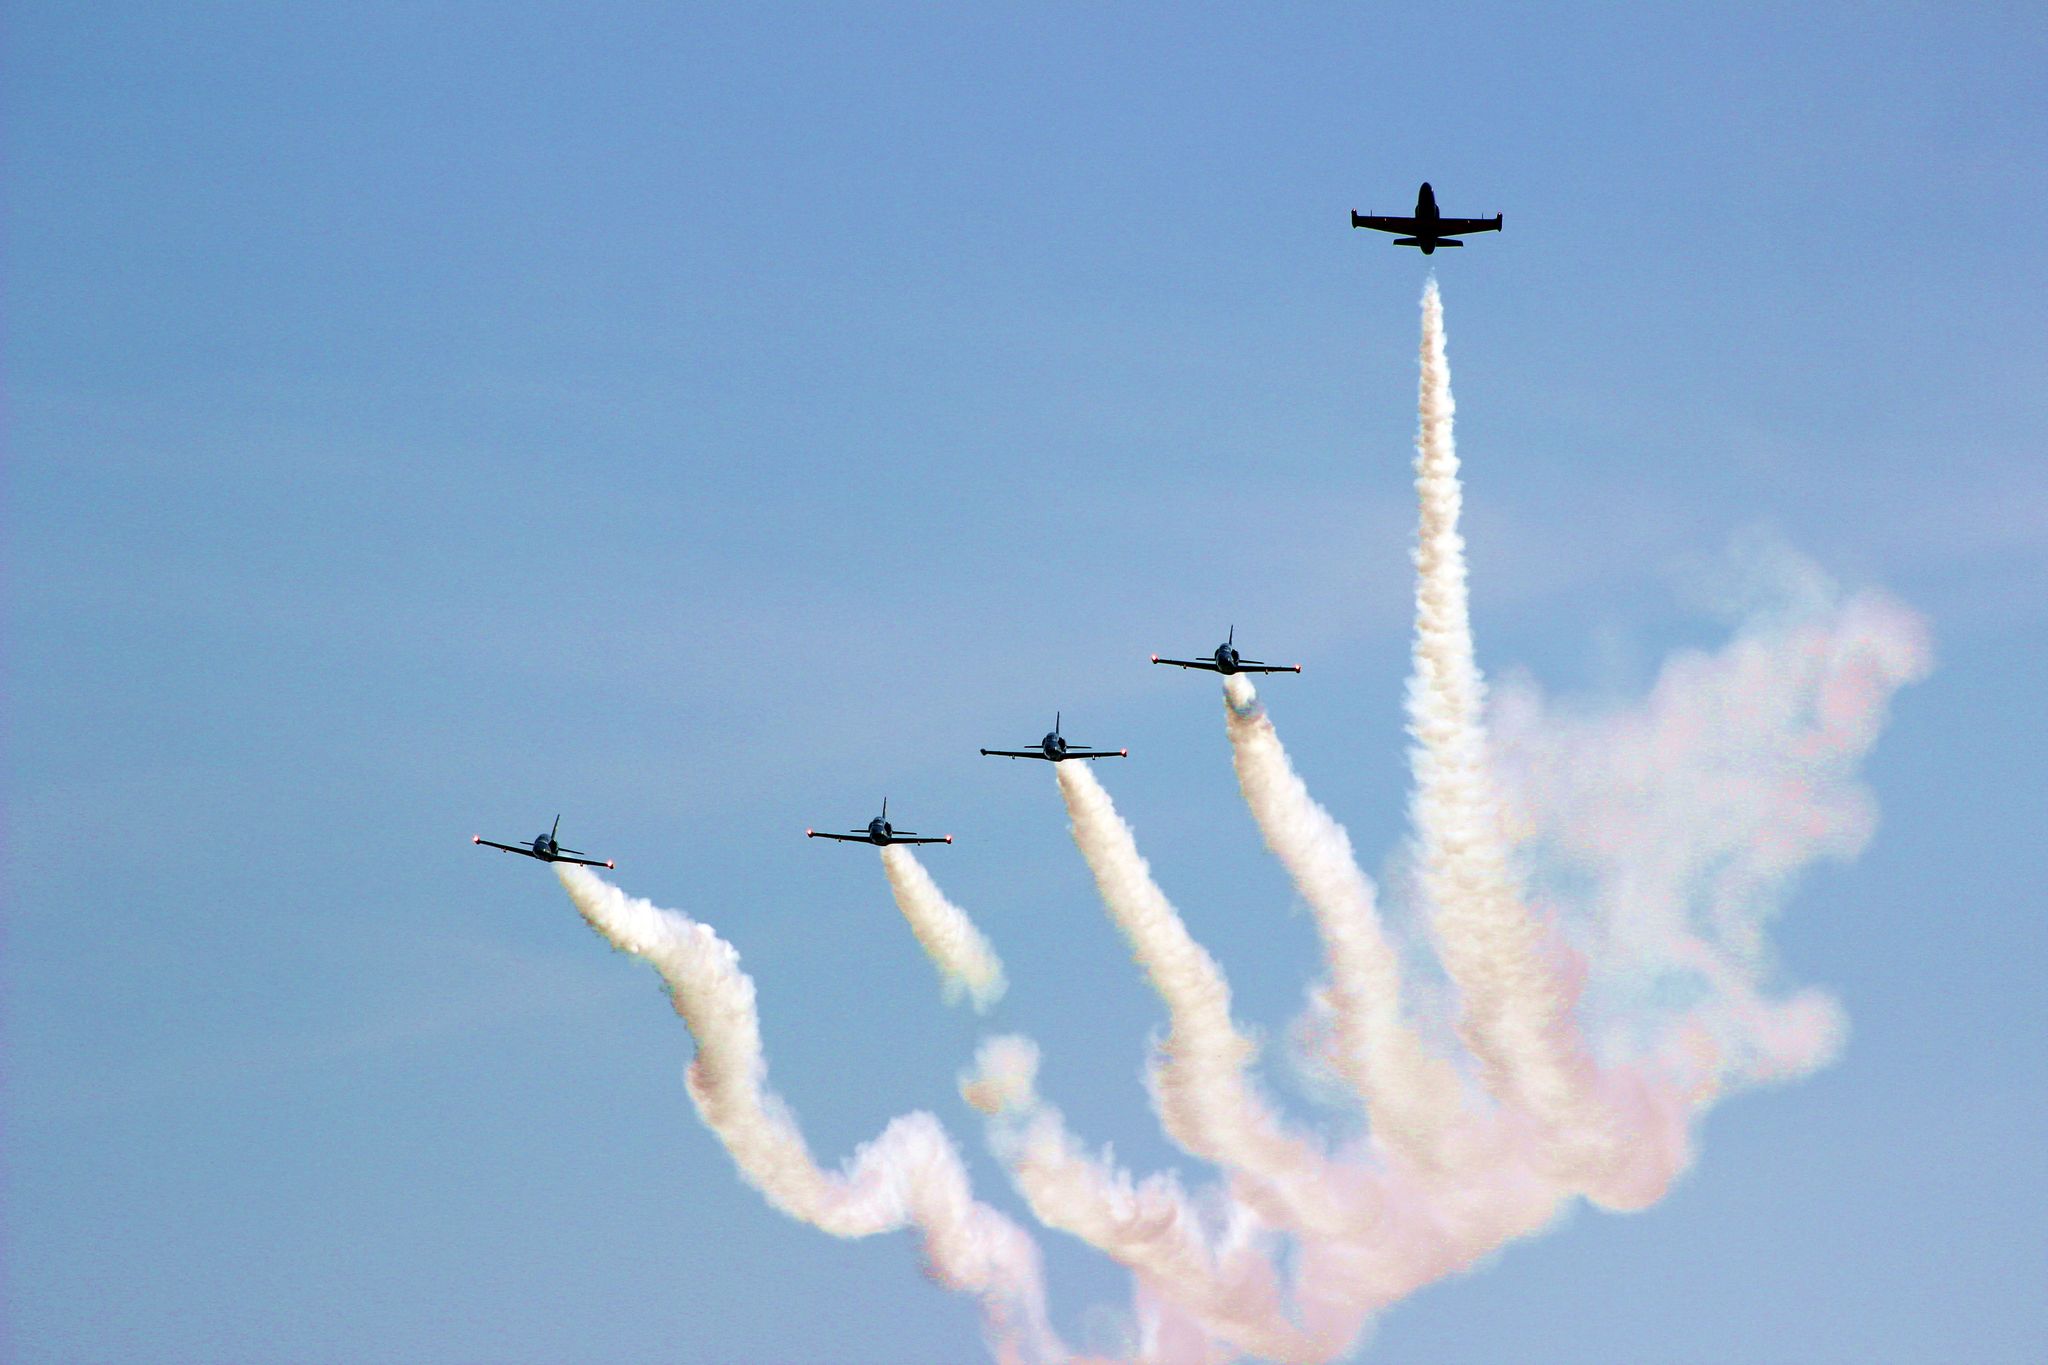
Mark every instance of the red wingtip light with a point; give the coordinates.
(1124, 752)
(807, 833)
(1155, 658)
(609, 863)
(476, 838)
(949, 838)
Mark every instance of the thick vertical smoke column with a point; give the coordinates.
(1618, 1138)
(1411, 1097)
(909, 1176)
(963, 956)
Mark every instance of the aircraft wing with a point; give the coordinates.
(921, 839)
(1382, 223)
(1254, 666)
(1013, 753)
(842, 838)
(586, 862)
(520, 849)
(1451, 227)
(1209, 664)
(1098, 753)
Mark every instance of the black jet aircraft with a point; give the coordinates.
(882, 833)
(1428, 229)
(546, 848)
(1226, 660)
(1055, 749)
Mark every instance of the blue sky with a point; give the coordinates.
(703, 421)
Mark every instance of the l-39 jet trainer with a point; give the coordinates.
(880, 832)
(546, 848)
(1226, 660)
(1055, 749)
(1428, 229)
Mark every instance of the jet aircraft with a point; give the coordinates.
(1226, 660)
(1428, 229)
(1055, 749)
(546, 848)
(882, 833)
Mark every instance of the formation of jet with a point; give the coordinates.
(546, 848)
(1428, 229)
(1226, 660)
(1055, 749)
(881, 833)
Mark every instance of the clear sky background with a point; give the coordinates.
(703, 421)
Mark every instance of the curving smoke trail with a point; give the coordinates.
(1224, 1280)
(966, 962)
(1412, 1098)
(911, 1175)
(1457, 1184)
(1206, 1100)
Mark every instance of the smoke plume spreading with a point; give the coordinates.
(1597, 883)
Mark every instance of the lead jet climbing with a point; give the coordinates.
(881, 833)
(1055, 749)
(1428, 229)
(1226, 660)
(546, 848)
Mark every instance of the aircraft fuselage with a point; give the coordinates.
(1427, 229)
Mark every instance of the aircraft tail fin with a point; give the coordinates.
(552, 833)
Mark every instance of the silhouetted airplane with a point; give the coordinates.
(1428, 229)
(880, 831)
(546, 849)
(1055, 749)
(1226, 660)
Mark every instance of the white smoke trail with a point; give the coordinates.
(1459, 1184)
(911, 1175)
(963, 956)
(1411, 1097)
(1619, 1137)
(1225, 1282)
(1206, 1100)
